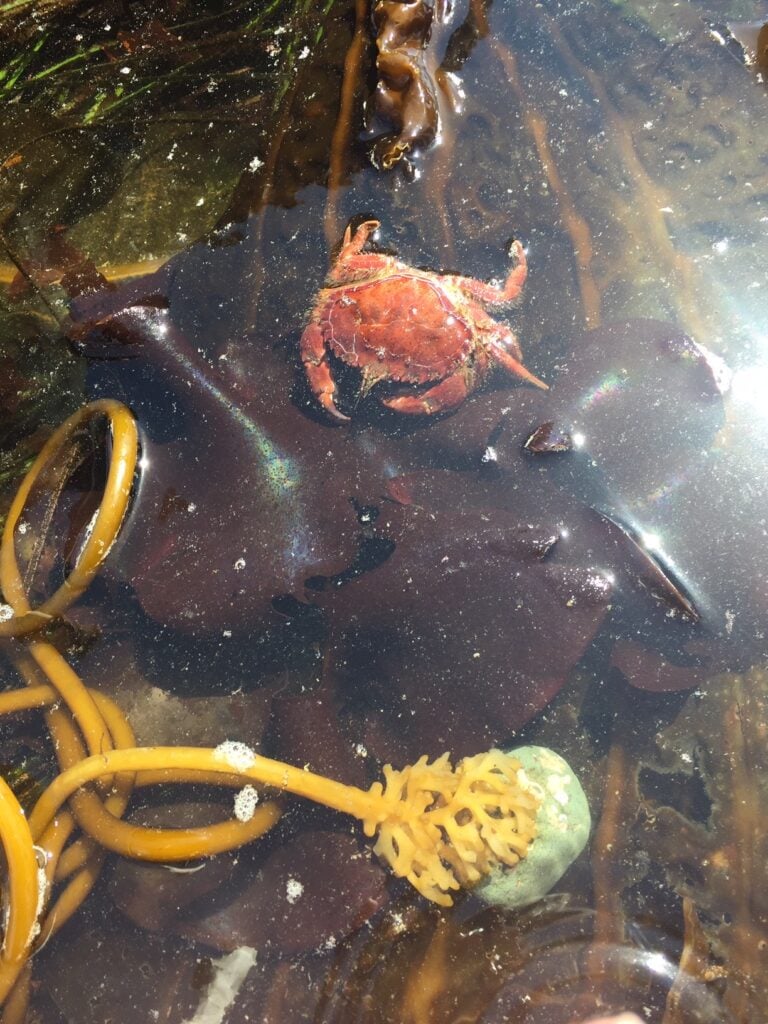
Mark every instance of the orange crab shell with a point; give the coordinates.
(403, 327)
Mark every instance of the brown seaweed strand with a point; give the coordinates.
(694, 964)
(342, 132)
(17, 1004)
(478, 11)
(574, 223)
(428, 979)
(242, 203)
(648, 200)
(351, 980)
(607, 849)
(252, 195)
(9, 272)
(441, 173)
(278, 997)
(746, 961)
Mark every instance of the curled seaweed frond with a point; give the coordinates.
(406, 96)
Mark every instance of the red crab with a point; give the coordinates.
(396, 323)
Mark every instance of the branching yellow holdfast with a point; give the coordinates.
(441, 828)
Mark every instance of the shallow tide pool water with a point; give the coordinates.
(582, 568)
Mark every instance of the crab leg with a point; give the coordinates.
(490, 293)
(443, 396)
(503, 357)
(314, 356)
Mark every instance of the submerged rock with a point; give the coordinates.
(563, 822)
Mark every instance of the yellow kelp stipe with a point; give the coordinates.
(21, 889)
(105, 527)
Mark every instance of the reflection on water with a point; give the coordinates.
(582, 569)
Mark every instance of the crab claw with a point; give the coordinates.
(354, 243)
(333, 411)
(314, 356)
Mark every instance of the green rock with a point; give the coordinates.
(563, 822)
